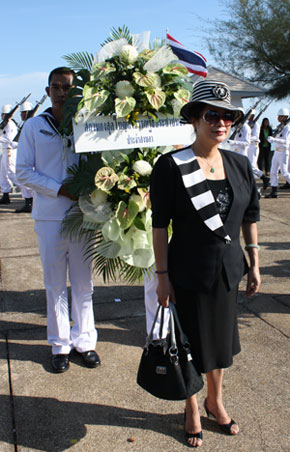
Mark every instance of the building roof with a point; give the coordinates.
(238, 86)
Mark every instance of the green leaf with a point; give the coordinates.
(148, 79)
(119, 33)
(79, 60)
(126, 214)
(182, 95)
(142, 258)
(175, 69)
(139, 224)
(156, 97)
(123, 107)
(125, 182)
(109, 249)
(101, 70)
(111, 230)
(93, 98)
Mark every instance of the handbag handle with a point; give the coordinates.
(149, 338)
(173, 315)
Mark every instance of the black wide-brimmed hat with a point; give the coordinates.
(211, 92)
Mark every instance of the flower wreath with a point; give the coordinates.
(126, 79)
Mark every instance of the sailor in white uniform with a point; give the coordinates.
(8, 159)
(27, 193)
(242, 141)
(42, 164)
(281, 154)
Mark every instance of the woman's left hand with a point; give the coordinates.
(254, 281)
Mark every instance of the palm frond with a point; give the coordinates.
(119, 33)
(79, 60)
(111, 269)
(131, 274)
(157, 43)
(81, 176)
(72, 226)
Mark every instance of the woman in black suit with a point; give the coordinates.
(208, 194)
(265, 153)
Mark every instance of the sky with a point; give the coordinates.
(36, 34)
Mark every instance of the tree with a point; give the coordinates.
(255, 43)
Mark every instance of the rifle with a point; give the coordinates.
(30, 114)
(261, 112)
(239, 125)
(9, 115)
(280, 127)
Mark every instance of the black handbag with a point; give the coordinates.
(166, 370)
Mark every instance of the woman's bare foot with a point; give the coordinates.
(192, 426)
(217, 410)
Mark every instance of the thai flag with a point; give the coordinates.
(194, 61)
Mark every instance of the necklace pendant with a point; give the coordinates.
(212, 170)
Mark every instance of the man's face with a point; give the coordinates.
(23, 115)
(58, 89)
(282, 118)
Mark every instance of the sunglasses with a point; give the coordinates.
(213, 117)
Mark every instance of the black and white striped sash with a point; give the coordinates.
(199, 192)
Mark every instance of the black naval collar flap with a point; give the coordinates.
(199, 192)
(48, 115)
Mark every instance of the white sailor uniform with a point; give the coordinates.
(42, 163)
(281, 156)
(242, 141)
(253, 150)
(8, 160)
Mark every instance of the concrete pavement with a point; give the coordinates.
(103, 409)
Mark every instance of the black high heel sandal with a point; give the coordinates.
(191, 435)
(226, 428)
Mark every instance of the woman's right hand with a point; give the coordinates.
(165, 292)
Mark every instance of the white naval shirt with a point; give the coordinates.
(242, 140)
(282, 141)
(255, 134)
(41, 165)
(8, 134)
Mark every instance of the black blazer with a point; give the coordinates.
(196, 254)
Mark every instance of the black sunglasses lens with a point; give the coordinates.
(229, 116)
(212, 116)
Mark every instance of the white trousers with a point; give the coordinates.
(7, 170)
(58, 255)
(26, 192)
(279, 161)
(151, 305)
(253, 152)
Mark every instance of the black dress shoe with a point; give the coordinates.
(91, 359)
(286, 186)
(60, 363)
(24, 209)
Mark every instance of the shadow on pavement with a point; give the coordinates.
(52, 425)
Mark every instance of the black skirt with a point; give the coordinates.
(210, 323)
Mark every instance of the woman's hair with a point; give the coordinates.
(263, 123)
(194, 112)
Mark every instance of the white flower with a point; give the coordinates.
(139, 201)
(129, 54)
(142, 167)
(124, 89)
(98, 197)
